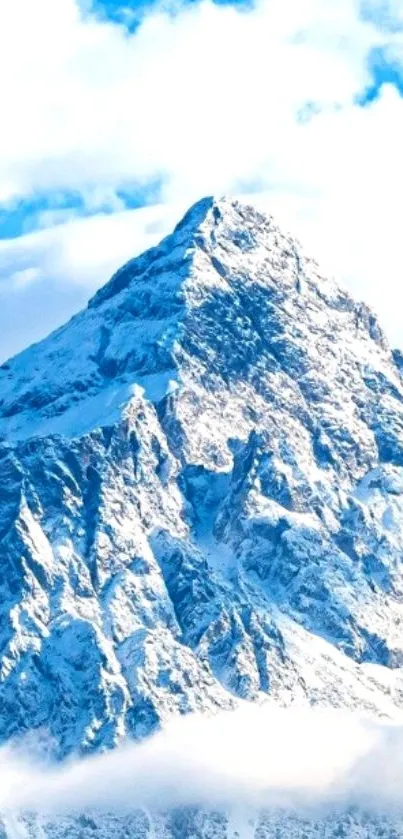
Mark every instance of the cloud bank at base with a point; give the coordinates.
(254, 757)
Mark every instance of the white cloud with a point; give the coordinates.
(249, 758)
(203, 98)
(83, 251)
(206, 100)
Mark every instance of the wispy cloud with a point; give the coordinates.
(82, 251)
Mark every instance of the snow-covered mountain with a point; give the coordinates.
(201, 496)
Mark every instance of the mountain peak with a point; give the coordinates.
(208, 220)
(212, 209)
(226, 293)
(197, 213)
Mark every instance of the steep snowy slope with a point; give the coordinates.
(201, 494)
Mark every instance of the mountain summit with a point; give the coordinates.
(201, 492)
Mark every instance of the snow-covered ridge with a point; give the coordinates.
(201, 494)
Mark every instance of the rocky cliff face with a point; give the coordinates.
(201, 494)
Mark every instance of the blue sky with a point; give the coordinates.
(129, 13)
(116, 117)
(384, 69)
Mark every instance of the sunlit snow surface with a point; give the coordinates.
(201, 492)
